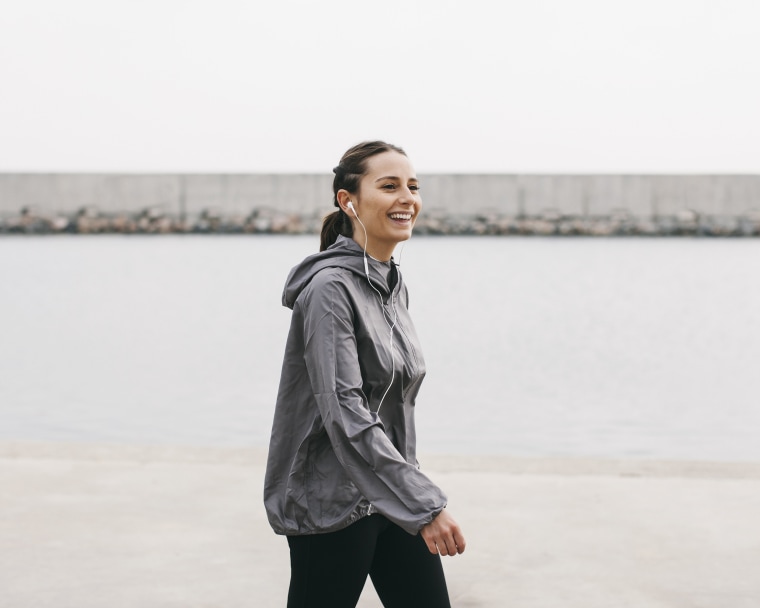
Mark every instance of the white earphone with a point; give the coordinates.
(389, 321)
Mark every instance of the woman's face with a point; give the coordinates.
(388, 203)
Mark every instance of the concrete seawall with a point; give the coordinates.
(454, 204)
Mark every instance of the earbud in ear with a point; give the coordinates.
(351, 206)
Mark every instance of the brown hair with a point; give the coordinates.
(348, 175)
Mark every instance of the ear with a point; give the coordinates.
(343, 197)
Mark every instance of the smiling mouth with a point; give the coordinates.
(401, 217)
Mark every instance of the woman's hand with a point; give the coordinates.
(442, 535)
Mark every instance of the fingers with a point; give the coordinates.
(430, 542)
(443, 536)
(459, 540)
(452, 543)
(445, 548)
(429, 537)
(448, 544)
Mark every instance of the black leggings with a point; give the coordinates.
(329, 570)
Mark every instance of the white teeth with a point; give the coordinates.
(401, 216)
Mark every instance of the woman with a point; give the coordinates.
(342, 479)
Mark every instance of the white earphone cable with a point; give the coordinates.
(389, 321)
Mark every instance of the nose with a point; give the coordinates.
(407, 196)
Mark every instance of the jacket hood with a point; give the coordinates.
(344, 253)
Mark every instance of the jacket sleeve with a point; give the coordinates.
(396, 489)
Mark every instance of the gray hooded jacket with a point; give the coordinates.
(332, 458)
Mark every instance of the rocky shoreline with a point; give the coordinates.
(89, 220)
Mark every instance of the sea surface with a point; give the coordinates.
(621, 347)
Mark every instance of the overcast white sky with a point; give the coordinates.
(476, 86)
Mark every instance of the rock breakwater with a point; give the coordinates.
(90, 220)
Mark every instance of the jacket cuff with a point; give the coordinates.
(430, 517)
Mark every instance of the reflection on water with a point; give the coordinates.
(612, 347)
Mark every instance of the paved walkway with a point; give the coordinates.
(112, 527)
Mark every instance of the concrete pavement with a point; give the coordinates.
(128, 526)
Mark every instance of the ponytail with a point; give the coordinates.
(348, 174)
(333, 225)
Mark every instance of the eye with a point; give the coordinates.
(414, 187)
(389, 186)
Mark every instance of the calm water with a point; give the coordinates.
(612, 347)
